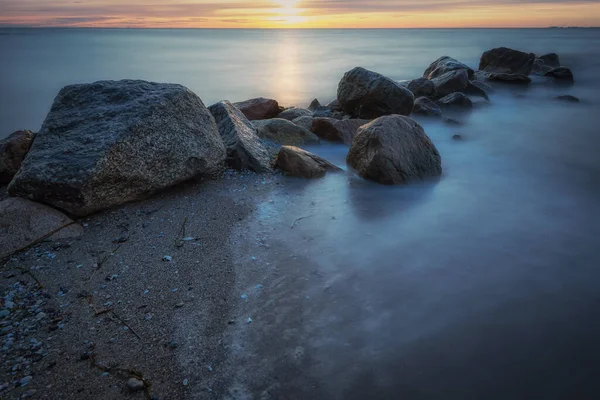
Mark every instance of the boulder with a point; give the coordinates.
(259, 108)
(337, 130)
(284, 132)
(314, 105)
(421, 87)
(550, 60)
(505, 60)
(23, 222)
(292, 113)
(110, 142)
(294, 161)
(305, 122)
(503, 77)
(478, 88)
(394, 149)
(334, 105)
(244, 149)
(450, 82)
(455, 100)
(367, 94)
(563, 74)
(444, 65)
(13, 150)
(567, 98)
(425, 106)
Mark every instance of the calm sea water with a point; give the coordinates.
(483, 284)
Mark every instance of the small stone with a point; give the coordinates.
(9, 304)
(179, 305)
(135, 385)
(25, 381)
(28, 394)
(167, 258)
(185, 382)
(4, 313)
(40, 315)
(249, 320)
(456, 137)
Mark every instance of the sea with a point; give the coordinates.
(482, 284)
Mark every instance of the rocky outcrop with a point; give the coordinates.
(284, 132)
(425, 106)
(315, 104)
(455, 100)
(551, 60)
(305, 122)
(13, 150)
(244, 149)
(450, 82)
(367, 94)
(444, 65)
(505, 60)
(109, 142)
(259, 108)
(294, 161)
(421, 87)
(561, 74)
(23, 222)
(337, 130)
(394, 149)
(292, 113)
(518, 79)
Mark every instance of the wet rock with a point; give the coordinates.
(505, 60)
(244, 149)
(23, 222)
(455, 100)
(562, 74)
(367, 94)
(478, 88)
(394, 149)
(444, 65)
(452, 121)
(305, 122)
(421, 87)
(425, 106)
(284, 132)
(13, 150)
(259, 108)
(314, 105)
(551, 60)
(294, 161)
(110, 142)
(336, 130)
(567, 98)
(135, 385)
(292, 113)
(450, 82)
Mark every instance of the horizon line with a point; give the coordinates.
(290, 28)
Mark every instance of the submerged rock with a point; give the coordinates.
(292, 113)
(244, 149)
(110, 142)
(567, 98)
(455, 100)
(23, 222)
(367, 94)
(259, 108)
(425, 106)
(444, 65)
(394, 149)
(563, 74)
(505, 60)
(284, 132)
(294, 161)
(421, 87)
(450, 82)
(13, 150)
(478, 88)
(337, 130)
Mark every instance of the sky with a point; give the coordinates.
(299, 13)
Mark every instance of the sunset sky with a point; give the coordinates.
(299, 13)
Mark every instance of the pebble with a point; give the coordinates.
(167, 258)
(179, 305)
(41, 315)
(135, 385)
(4, 313)
(249, 320)
(185, 382)
(25, 381)
(9, 304)
(28, 393)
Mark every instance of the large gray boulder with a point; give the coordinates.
(337, 130)
(455, 100)
(244, 149)
(13, 150)
(23, 222)
(302, 164)
(427, 107)
(110, 142)
(284, 132)
(394, 149)
(421, 87)
(444, 65)
(505, 60)
(450, 82)
(259, 108)
(292, 113)
(305, 122)
(367, 94)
